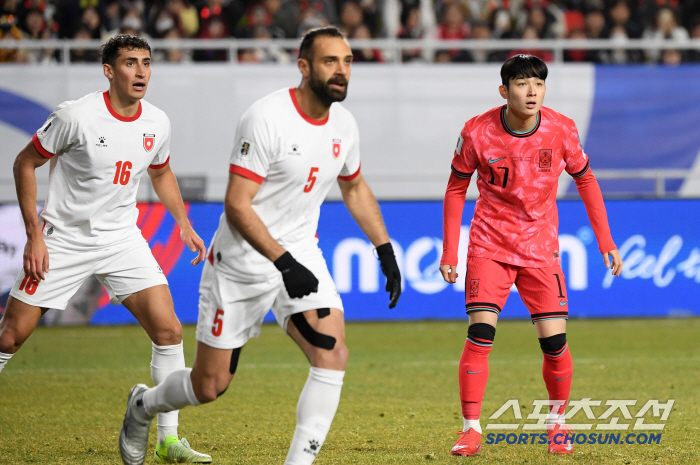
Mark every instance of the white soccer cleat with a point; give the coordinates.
(133, 438)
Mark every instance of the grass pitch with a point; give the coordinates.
(62, 397)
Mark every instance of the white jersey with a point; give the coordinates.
(97, 160)
(296, 160)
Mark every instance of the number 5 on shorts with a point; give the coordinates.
(218, 323)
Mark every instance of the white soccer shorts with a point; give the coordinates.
(122, 269)
(231, 312)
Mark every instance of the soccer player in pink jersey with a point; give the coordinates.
(518, 151)
(290, 148)
(99, 147)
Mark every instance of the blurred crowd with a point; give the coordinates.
(614, 20)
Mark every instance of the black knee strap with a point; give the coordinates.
(323, 312)
(553, 345)
(481, 333)
(311, 335)
(234, 361)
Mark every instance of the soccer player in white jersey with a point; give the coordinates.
(100, 146)
(290, 147)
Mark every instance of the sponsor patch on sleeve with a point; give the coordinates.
(245, 147)
(460, 141)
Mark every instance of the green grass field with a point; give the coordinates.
(62, 396)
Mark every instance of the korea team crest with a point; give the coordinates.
(149, 141)
(545, 158)
(336, 148)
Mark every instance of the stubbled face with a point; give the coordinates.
(525, 96)
(130, 74)
(329, 72)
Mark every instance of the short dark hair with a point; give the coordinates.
(523, 67)
(110, 50)
(307, 41)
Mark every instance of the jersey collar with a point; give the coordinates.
(519, 134)
(126, 119)
(315, 122)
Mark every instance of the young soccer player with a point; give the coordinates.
(290, 147)
(518, 151)
(100, 146)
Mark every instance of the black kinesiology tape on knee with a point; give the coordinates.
(553, 345)
(234, 361)
(311, 335)
(481, 331)
(323, 312)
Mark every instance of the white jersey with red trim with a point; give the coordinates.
(97, 160)
(296, 160)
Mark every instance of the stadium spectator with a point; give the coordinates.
(213, 28)
(694, 54)
(482, 31)
(90, 22)
(665, 27)
(260, 13)
(296, 16)
(368, 55)
(9, 32)
(620, 56)
(229, 12)
(131, 24)
(79, 55)
(351, 17)
(411, 29)
(395, 13)
(671, 57)
(454, 27)
(36, 28)
(530, 33)
(502, 24)
(173, 55)
(112, 18)
(620, 14)
(186, 17)
(266, 54)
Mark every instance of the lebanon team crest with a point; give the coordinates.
(336, 148)
(149, 140)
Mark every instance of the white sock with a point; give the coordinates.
(553, 419)
(315, 411)
(174, 393)
(4, 358)
(472, 424)
(164, 361)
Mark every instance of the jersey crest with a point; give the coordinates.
(149, 141)
(545, 158)
(336, 148)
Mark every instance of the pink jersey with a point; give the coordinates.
(515, 219)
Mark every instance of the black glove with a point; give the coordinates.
(391, 270)
(298, 280)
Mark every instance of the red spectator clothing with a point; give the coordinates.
(445, 33)
(515, 219)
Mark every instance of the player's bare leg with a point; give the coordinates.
(153, 308)
(16, 325)
(321, 335)
(557, 370)
(473, 376)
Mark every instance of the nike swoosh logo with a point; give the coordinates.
(473, 372)
(561, 304)
(562, 379)
(497, 159)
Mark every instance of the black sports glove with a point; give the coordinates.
(391, 270)
(298, 280)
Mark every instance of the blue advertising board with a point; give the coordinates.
(659, 241)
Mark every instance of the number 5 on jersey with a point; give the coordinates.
(123, 174)
(311, 181)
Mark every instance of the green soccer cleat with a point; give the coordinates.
(176, 450)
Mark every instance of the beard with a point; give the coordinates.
(323, 90)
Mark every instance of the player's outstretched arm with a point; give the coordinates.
(364, 209)
(589, 190)
(36, 256)
(165, 185)
(299, 281)
(452, 208)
